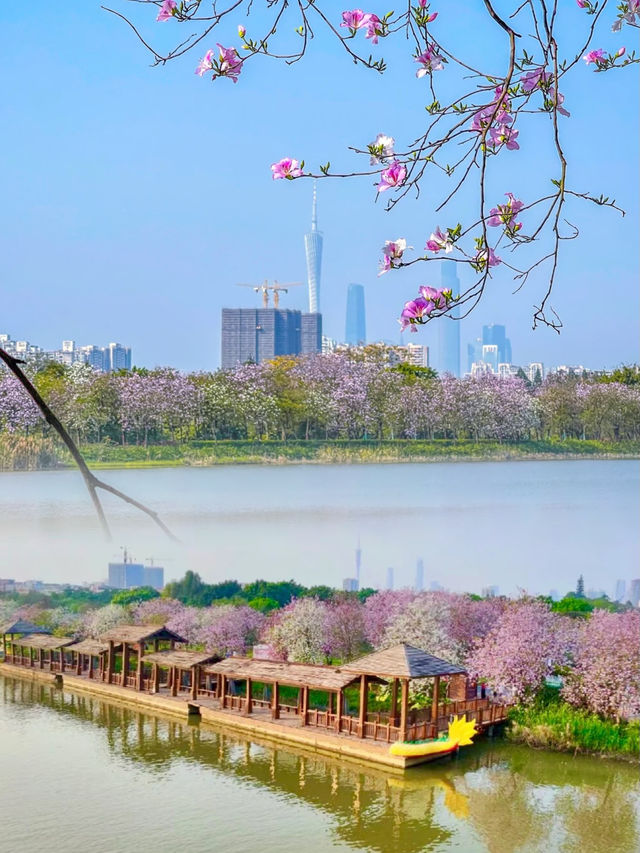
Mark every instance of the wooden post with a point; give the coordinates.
(223, 691)
(275, 701)
(156, 678)
(404, 708)
(110, 662)
(364, 695)
(434, 703)
(339, 706)
(78, 663)
(248, 698)
(40, 657)
(140, 672)
(125, 663)
(393, 713)
(90, 672)
(305, 705)
(175, 674)
(195, 678)
(61, 653)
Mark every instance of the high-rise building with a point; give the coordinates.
(634, 592)
(310, 333)
(153, 576)
(390, 577)
(417, 354)
(313, 252)
(358, 561)
(260, 334)
(474, 353)
(419, 585)
(350, 584)
(497, 335)
(490, 356)
(126, 575)
(621, 588)
(117, 357)
(449, 326)
(490, 591)
(355, 326)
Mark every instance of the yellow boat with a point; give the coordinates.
(460, 734)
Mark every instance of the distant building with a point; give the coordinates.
(350, 585)
(310, 334)
(153, 576)
(495, 335)
(535, 371)
(621, 588)
(259, 334)
(313, 252)
(490, 356)
(417, 354)
(355, 325)
(449, 327)
(554, 595)
(419, 584)
(474, 353)
(434, 586)
(358, 561)
(117, 357)
(490, 591)
(390, 577)
(329, 345)
(634, 592)
(126, 575)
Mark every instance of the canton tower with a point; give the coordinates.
(313, 252)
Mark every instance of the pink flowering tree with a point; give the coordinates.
(478, 111)
(606, 676)
(527, 644)
(344, 629)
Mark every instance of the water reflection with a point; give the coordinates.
(496, 797)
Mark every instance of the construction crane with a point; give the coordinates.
(276, 289)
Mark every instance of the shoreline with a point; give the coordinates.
(207, 454)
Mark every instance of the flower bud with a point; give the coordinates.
(241, 31)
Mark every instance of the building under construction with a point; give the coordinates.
(260, 334)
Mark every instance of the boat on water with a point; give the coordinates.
(461, 732)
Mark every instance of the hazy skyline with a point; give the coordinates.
(135, 198)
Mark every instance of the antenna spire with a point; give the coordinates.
(314, 209)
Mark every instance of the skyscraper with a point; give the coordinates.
(313, 252)
(419, 586)
(449, 326)
(497, 335)
(260, 334)
(390, 577)
(355, 327)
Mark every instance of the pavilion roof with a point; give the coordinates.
(141, 633)
(403, 661)
(22, 626)
(88, 647)
(316, 676)
(183, 659)
(44, 641)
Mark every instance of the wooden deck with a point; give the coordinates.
(318, 734)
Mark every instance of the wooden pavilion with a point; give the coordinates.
(49, 649)
(87, 657)
(137, 639)
(183, 671)
(18, 627)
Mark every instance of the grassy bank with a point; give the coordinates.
(206, 453)
(552, 724)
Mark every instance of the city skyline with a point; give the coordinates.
(161, 272)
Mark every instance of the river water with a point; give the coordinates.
(81, 775)
(534, 525)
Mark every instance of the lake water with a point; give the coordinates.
(534, 525)
(81, 775)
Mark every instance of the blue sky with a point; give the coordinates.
(135, 197)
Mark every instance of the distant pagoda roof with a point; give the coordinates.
(403, 661)
(22, 626)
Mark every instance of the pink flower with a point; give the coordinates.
(355, 19)
(166, 10)
(414, 311)
(374, 29)
(581, 3)
(482, 255)
(486, 116)
(535, 79)
(392, 251)
(394, 176)
(205, 64)
(241, 32)
(558, 102)
(432, 17)
(504, 214)
(504, 135)
(286, 168)
(621, 52)
(439, 241)
(594, 56)
(230, 63)
(439, 297)
(430, 61)
(629, 12)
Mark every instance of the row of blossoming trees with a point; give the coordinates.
(513, 644)
(328, 396)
